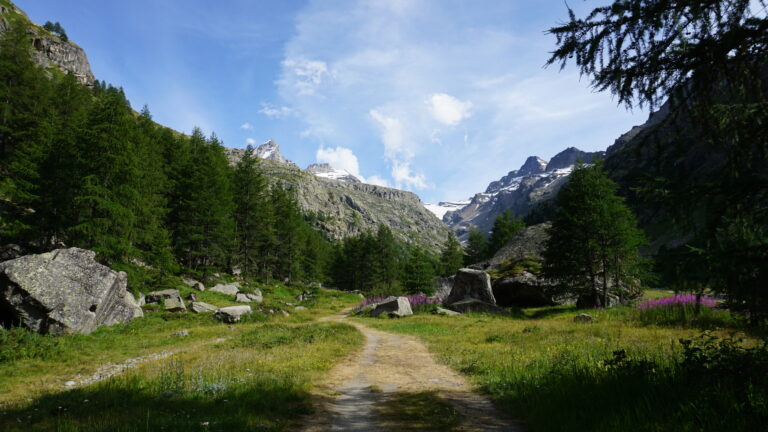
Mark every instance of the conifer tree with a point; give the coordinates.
(451, 256)
(253, 219)
(504, 228)
(419, 272)
(477, 246)
(594, 241)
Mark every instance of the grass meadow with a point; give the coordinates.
(254, 375)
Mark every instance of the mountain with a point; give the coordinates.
(520, 191)
(443, 207)
(270, 150)
(342, 208)
(50, 49)
(327, 171)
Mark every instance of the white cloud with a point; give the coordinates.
(448, 110)
(403, 175)
(305, 76)
(339, 158)
(250, 141)
(273, 111)
(392, 135)
(377, 180)
(246, 126)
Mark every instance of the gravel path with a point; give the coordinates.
(391, 363)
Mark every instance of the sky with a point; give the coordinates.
(439, 97)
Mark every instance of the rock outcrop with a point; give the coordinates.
(170, 299)
(523, 290)
(50, 50)
(232, 314)
(64, 291)
(443, 287)
(529, 243)
(228, 289)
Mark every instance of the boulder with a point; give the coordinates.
(229, 289)
(202, 307)
(524, 290)
(443, 311)
(232, 314)
(584, 318)
(393, 306)
(199, 286)
(169, 298)
(300, 308)
(443, 287)
(471, 284)
(254, 297)
(477, 306)
(64, 291)
(180, 333)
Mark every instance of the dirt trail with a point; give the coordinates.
(389, 364)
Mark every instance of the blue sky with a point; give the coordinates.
(439, 97)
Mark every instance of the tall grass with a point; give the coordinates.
(684, 310)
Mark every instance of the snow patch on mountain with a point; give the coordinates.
(325, 170)
(443, 207)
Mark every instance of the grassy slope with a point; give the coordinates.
(549, 372)
(250, 376)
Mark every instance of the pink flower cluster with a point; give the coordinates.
(677, 300)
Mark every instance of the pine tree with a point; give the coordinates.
(504, 228)
(594, 239)
(385, 259)
(419, 272)
(253, 219)
(451, 257)
(477, 246)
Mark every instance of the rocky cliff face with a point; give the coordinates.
(343, 208)
(519, 191)
(48, 49)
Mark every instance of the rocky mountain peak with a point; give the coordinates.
(271, 151)
(532, 165)
(325, 170)
(570, 156)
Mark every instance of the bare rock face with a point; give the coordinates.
(471, 284)
(443, 287)
(64, 291)
(52, 51)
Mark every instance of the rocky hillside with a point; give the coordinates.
(519, 191)
(50, 51)
(341, 205)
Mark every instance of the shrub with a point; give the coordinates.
(18, 343)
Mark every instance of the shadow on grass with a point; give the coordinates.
(549, 311)
(639, 397)
(130, 404)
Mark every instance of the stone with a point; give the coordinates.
(443, 287)
(169, 298)
(202, 307)
(232, 314)
(191, 297)
(523, 290)
(584, 318)
(471, 284)
(142, 299)
(444, 311)
(393, 306)
(199, 286)
(64, 291)
(254, 297)
(188, 282)
(367, 308)
(229, 289)
(284, 312)
(300, 308)
(477, 306)
(180, 333)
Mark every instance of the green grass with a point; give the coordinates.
(615, 374)
(254, 375)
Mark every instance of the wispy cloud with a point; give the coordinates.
(273, 111)
(246, 126)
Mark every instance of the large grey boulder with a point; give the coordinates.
(202, 307)
(523, 290)
(471, 284)
(477, 306)
(169, 298)
(229, 289)
(393, 306)
(232, 314)
(64, 291)
(443, 287)
(255, 297)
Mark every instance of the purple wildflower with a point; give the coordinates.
(677, 300)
